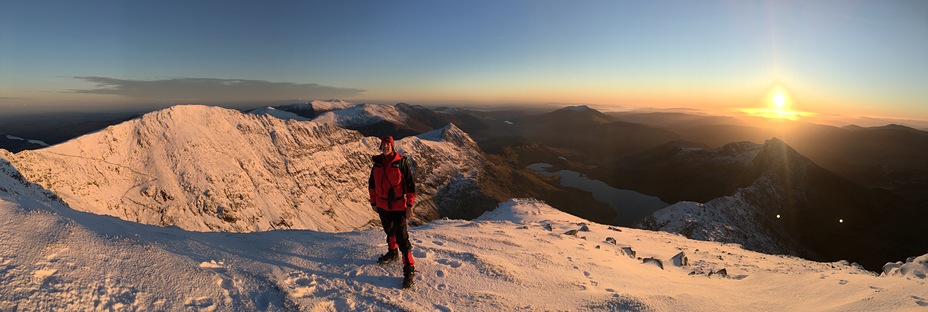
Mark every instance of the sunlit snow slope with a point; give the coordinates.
(213, 169)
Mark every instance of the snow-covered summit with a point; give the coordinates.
(213, 169)
(527, 210)
(317, 106)
(450, 134)
(361, 115)
(321, 106)
(578, 108)
(277, 113)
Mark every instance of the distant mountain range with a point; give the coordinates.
(891, 157)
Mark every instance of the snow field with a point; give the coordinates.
(523, 256)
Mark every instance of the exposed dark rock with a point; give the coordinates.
(629, 252)
(680, 260)
(655, 261)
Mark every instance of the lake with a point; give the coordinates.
(630, 206)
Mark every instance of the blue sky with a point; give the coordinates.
(833, 57)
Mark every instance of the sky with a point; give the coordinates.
(850, 58)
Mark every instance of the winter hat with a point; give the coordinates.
(386, 140)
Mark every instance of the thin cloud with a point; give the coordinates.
(211, 89)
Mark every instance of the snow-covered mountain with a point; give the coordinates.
(277, 113)
(314, 108)
(789, 205)
(213, 169)
(524, 255)
(362, 115)
(399, 120)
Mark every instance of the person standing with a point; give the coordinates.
(392, 189)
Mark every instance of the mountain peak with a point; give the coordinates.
(329, 105)
(188, 113)
(579, 113)
(578, 108)
(183, 108)
(361, 115)
(449, 133)
(775, 150)
(278, 113)
(526, 210)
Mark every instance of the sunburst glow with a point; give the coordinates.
(778, 107)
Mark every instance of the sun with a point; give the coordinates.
(778, 107)
(779, 100)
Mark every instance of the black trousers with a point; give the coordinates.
(394, 224)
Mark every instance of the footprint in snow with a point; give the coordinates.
(214, 266)
(301, 285)
(201, 303)
(4, 265)
(452, 263)
(43, 277)
(842, 282)
(439, 243)
(225, 283)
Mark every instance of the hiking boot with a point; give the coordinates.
(389, 257)
(409, 275)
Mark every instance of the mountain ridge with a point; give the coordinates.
(232, 171)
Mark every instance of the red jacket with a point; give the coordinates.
(396, 173)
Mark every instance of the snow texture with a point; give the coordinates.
(362, 115)
(212, 169)
(279, 114)
(913, 267)
(329, 105)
